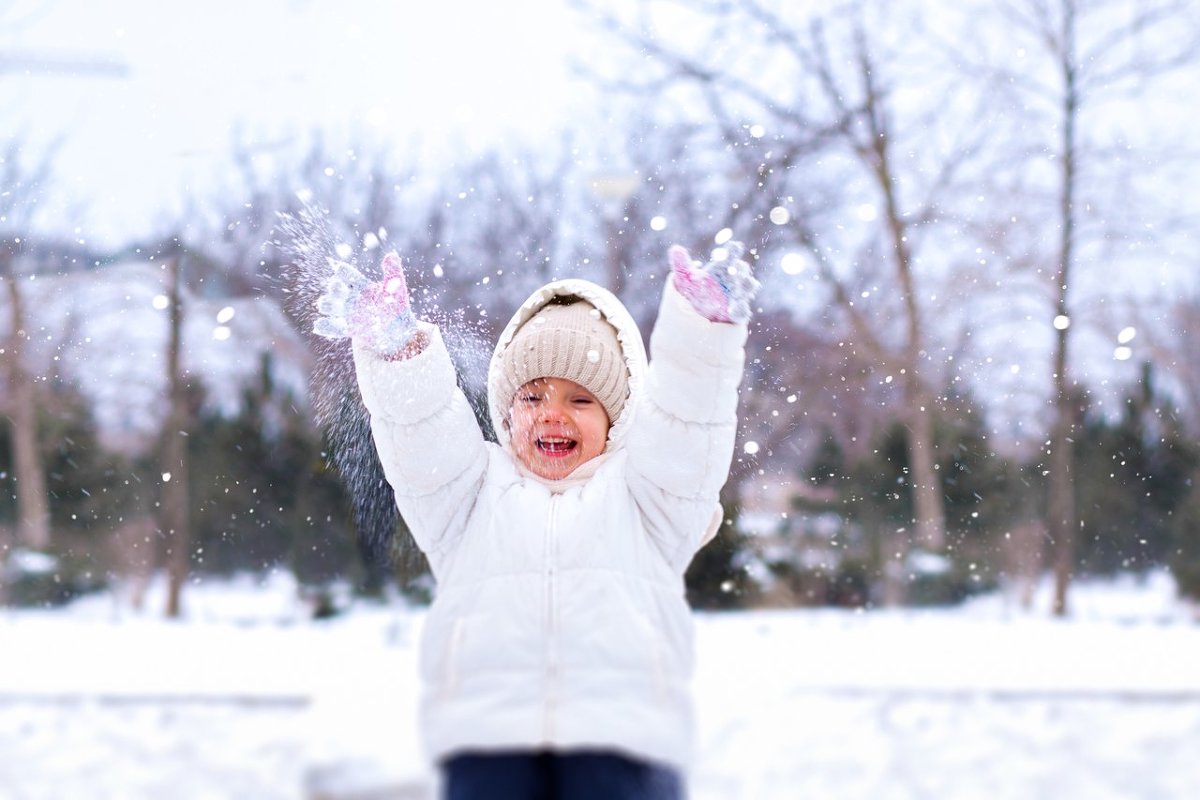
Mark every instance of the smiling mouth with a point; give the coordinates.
(556, 446)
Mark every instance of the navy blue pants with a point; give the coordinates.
(539, 775)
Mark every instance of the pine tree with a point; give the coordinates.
(1132, 475)
(263, 493)
(1184, 552)
(716, 578)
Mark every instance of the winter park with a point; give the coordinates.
(577, 399)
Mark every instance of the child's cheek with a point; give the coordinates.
(520, 420)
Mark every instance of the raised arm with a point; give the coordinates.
(429, 442)
(681, 443)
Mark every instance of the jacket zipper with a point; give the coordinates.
(550, 621)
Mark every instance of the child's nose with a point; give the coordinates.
(553, 408)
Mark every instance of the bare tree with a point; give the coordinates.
(17, 206)
(807, 109)
(1087, 53)
(502, 224)
(174, 510)
(234, 226)
(33, 510)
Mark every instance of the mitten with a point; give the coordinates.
(374, 314)
(720, 290)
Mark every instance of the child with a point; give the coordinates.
(556, 656)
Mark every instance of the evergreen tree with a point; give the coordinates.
(717, 579)
(263, 494)
(983, 494)
(91, 491)
(1132, 475)
(1184, 552)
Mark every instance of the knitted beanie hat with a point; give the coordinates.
(569, 340)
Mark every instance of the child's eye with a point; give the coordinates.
(586, 401)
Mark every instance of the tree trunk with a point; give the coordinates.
(1060, 504)
(33, 510)
(926, 487)
(928, 508)
(174, 521)
(1061, 491)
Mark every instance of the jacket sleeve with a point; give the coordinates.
(429, 442)
(680, 443)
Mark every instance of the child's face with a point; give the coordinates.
(556, 425)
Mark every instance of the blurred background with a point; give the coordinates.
(973, 362)
(973, 380)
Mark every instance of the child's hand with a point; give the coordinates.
(377, 315)
(722, 289)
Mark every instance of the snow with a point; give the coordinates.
(247, 696)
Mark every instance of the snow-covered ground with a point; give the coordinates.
(248, 697)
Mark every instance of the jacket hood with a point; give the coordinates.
(633, 350)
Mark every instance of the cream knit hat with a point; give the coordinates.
(569, 340)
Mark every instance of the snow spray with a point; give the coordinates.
(311, 247)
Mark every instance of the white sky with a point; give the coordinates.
(454, 72)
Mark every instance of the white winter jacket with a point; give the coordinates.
(560, 620)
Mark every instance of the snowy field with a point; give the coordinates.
(248, 698)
